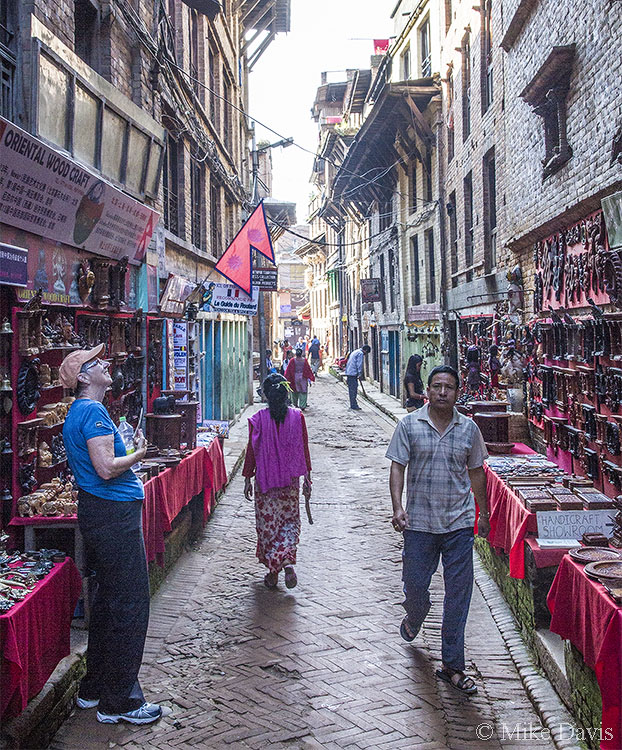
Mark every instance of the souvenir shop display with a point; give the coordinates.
(20, 571)
(33, 344)
(574, 386)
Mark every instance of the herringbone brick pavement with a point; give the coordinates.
(321, 666)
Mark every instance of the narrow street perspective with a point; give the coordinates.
(242, 237)
(322, 665)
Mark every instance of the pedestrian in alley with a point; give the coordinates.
(277, 455)
(299, 374)
(110, 504)
(413, 385)
(354, 373)
(287, 357)
(444, 452)
(314, 355)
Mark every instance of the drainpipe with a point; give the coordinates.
(440, 170)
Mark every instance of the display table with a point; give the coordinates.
(34, 636)
(509, 519)
(584, 614)
(203, 470)
(166, 495)
(511, 522)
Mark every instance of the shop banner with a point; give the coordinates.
(13, 265)
(266, 279)
(572, 524)
(371, 290)
(55, 269)
(230, 299)
(44, 192)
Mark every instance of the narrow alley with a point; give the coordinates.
(323, 665)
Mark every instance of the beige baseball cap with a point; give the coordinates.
(72, 364)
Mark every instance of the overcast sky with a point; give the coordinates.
(284, 81)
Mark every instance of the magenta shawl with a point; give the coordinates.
(279, 450)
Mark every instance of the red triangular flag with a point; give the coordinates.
(258, 234)
(235, 263)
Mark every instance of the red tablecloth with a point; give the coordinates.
(34, 637)
(217, 472)
(203, 470)
(165, 495)
(42, 520)
(520, 449)
(509, 522)
(549, 556)
(583, 613)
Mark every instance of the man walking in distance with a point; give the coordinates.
(444, 452)
(354, 373)
(314, 355)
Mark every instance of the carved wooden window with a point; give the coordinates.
(424, 46)
(490, 210)
(406, 64)
(429, 244)
(547, 94)
(414, 241)
(453, 238)
(8, 14)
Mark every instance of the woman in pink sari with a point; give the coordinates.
(277, 455)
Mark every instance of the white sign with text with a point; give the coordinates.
(572, 524)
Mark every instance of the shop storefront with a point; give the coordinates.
(73, 275)
(543, 507)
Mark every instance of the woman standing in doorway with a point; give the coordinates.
(298, 375)
(277, 455)
(413, 383)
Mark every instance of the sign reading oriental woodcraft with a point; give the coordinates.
(46, 193)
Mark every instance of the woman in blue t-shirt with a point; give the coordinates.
(110, 500)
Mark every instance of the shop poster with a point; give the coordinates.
(44, 192)
(229, 298)
(180, 355)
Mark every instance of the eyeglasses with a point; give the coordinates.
(88, 365)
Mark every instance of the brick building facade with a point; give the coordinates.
(575, 47)
(152, 97)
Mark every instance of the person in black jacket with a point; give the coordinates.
(413, 384)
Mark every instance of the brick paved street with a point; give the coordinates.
(321, 666)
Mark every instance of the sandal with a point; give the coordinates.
(464, 683)
(270, 580)
(290, 577)
(406, 630)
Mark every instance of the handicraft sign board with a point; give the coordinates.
(572, 524)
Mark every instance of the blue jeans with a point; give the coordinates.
(420, 561)
(353, 384)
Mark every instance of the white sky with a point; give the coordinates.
(284, 81)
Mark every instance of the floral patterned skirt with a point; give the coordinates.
(277, 518)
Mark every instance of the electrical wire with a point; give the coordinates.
(345, 244)
(154, 48)
(293, 142)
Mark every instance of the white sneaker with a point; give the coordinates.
(146, 714)
(86, 703)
